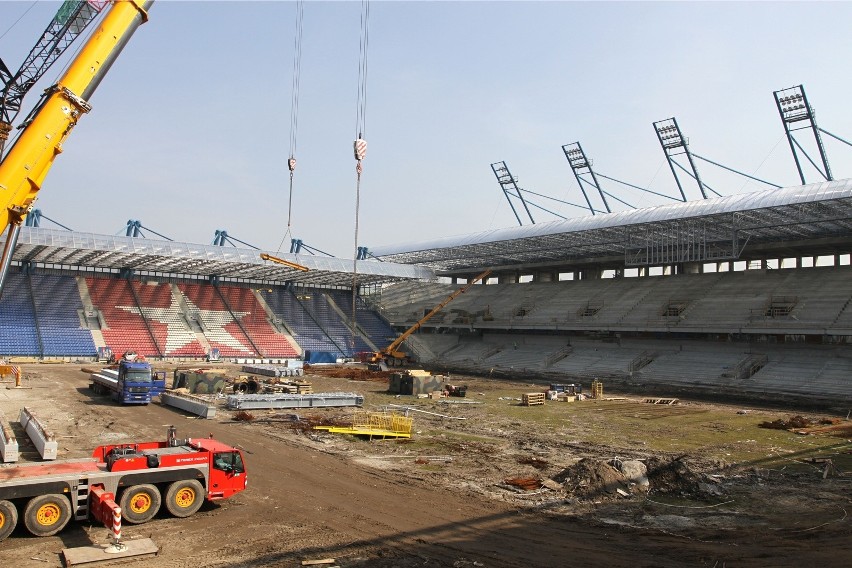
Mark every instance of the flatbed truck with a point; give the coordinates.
(129, 382)
(140, 477)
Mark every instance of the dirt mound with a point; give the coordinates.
(598, 479)
(672, 476)
(591, 479)
(794, 422)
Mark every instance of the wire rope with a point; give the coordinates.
(360, 145)
(294, 114)
(15, 23)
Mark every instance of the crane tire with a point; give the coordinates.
(8, 518)
(184, 498)
(46, 515)
(140, 503)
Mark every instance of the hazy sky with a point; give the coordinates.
(190, 129)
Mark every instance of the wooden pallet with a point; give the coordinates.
(668, 401)
(532, 398)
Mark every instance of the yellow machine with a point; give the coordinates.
(28, 161)
(277, 260)
(393, 358)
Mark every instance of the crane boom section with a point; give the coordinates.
(70, 21)
(393, 346)
(287, 263)
(26, 165)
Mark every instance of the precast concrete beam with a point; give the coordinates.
(193, 404)
(262, 401)
(43, 440)
(8, 442)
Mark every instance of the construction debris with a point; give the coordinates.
(525, 483)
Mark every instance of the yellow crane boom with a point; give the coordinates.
(390, 353)
(27, 163)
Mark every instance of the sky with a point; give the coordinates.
(190, 129)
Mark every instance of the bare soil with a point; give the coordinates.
(484, 482)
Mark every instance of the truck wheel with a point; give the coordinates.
(8, 518)
(46, 515)
(184, 498)
(140, 503)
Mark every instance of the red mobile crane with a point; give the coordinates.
(139, 478)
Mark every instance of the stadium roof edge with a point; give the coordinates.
(824, 191)
(77, 250)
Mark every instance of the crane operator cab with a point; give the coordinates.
(229, 462)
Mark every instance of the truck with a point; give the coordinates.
(139, 477)
(129, 382)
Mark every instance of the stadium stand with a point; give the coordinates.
(303, 327)
(125, 327)
(270, 342)
(18, 330)
(58, 306)
(166, 320)
(687, 296)
(378, 331)
(220, 324)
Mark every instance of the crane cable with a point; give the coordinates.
(294, 113)
(360, 145)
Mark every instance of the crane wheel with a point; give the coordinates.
(140, 503)
(184, 498)
(8, 518)
(46, 515)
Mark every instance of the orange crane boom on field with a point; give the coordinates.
(390, 355)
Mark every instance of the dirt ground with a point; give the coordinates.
(483, 482)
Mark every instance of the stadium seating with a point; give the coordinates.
(255, 322)
(57, 305)
(377, 329)
(303, 324)
(164, 315)
(18, 331)
(125, 329)
(221, 327)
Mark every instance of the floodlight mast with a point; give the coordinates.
(580, 164)
(793, 107)
(508, 182)
(673, 143)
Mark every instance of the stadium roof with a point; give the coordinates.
(68, 249)
(809, 219)
(713, 229)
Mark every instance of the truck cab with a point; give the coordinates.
(134, 378)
